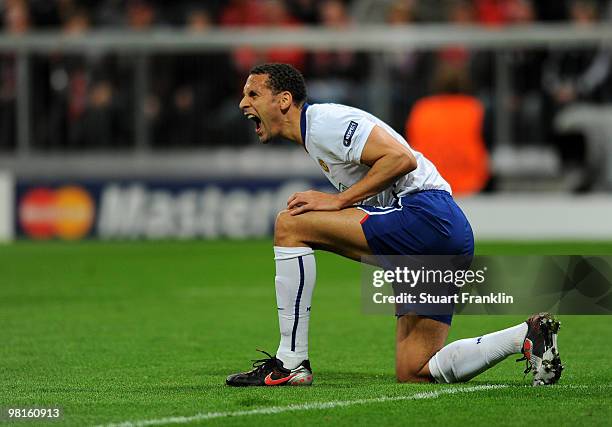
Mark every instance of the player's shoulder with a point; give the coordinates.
(330, 119)
(335, 111)
(336, 129)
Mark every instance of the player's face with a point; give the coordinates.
(262, 106)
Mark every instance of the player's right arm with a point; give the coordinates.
(388, 161)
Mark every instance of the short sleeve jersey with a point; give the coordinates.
(334, 136)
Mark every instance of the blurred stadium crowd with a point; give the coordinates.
(86, 101)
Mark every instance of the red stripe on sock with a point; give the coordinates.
(364, 218)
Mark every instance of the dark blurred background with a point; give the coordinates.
(84, 102)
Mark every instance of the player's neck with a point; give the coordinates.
(291, 127)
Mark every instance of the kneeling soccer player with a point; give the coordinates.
(405, 208)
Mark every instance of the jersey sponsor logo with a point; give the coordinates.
(342, 187)
(323, 165)
(350, 131)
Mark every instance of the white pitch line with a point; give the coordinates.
(305, 407)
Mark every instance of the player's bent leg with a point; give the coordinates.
(417, 340)
(335, 231)
(536, 339)
(294, 283)
(464, 359)
(295, 238)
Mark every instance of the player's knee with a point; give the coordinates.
(409, 375)
(285, 229)
(410, 378)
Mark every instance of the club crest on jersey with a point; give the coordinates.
(350, 131)
(323, 165)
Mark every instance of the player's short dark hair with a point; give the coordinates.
(283, 77)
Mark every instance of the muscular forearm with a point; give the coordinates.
(384, 172)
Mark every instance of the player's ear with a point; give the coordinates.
(286, 100)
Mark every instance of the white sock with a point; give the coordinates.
(464, 359)
(295, 279)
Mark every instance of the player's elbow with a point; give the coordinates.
(405, 162)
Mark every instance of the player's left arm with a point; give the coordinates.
(388, 160)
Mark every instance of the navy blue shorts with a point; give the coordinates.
(424, 223)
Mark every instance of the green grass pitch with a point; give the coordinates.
(116, 332)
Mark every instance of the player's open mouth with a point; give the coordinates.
(256, 120)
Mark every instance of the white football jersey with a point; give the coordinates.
(334, 135)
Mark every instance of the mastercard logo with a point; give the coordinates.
(66, 212)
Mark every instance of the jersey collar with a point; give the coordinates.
(303, 123)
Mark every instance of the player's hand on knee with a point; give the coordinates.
(312, 200)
